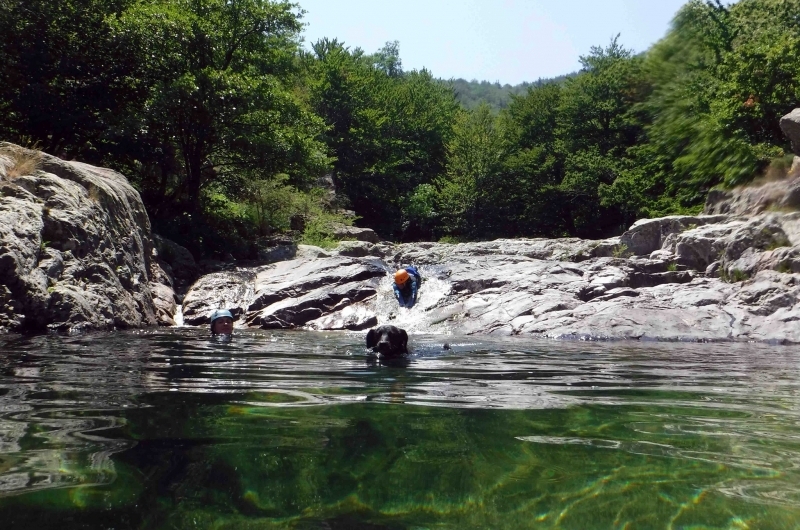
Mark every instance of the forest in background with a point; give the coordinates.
(225, 123)
(471, 94)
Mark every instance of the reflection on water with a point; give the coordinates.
(172, 429)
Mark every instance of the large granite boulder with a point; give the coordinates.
(648, 235)
(229, 289)
(355, 233)
(790, 125)
(75, 248)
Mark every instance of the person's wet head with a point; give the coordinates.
(221, 322)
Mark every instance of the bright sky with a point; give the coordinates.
(510, 41)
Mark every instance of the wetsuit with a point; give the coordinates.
(407, 294)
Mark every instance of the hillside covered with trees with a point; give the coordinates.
(225, 123)
(471, 94)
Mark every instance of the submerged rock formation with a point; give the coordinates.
(75, 248)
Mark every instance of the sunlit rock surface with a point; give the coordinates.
(698, 278)
(76, 251)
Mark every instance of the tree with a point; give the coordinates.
(387, 59)
(722, 78)
(387, 130)
(220, 100)
(474, 158)
(65, 75)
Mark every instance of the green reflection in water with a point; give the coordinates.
(386, 465)
(324, 442)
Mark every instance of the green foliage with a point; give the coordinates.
(722, 77)
(319, 228)
(621, 251)
(472, 94)
(546, 166)
(474, 159)
(672, 267)
(733, 276)
(642, 136)
(387, 130)
(64, 75)
(194, 100)
(219, 97)
(224, 124)
(778, 242)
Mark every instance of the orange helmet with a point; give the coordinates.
(401, 277)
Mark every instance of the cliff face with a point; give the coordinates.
(75, 248)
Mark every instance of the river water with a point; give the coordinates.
(170, 429)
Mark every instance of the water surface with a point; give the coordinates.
(169, 429)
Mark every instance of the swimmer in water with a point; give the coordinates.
(221, 322)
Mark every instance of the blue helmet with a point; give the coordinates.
(219, 313)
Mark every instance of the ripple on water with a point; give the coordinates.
(293, 428)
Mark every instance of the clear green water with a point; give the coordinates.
(168, 429)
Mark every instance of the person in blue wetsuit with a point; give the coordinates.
(406, 284)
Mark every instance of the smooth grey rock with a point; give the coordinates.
(165, 304)
(277, 253)
(344, 232)
(75, 249)
(616, 293)
(712, 271)
(648, 235)
(726, 242)
(287, 294)
(353, 317)
(311, 252)
(177, 262)
(232, 290)
(355, 249)
(493, 288)
(780, 195)
(563, 249)
(790, 125)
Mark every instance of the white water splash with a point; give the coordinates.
(178, 318)
(418, 319)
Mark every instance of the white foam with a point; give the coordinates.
(178, 318)
(417, 319)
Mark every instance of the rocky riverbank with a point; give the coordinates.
(76, 252)
(708, 277)
(75, 248)
(730, 274)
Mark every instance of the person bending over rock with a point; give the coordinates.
(406, 283)
(221, 322)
